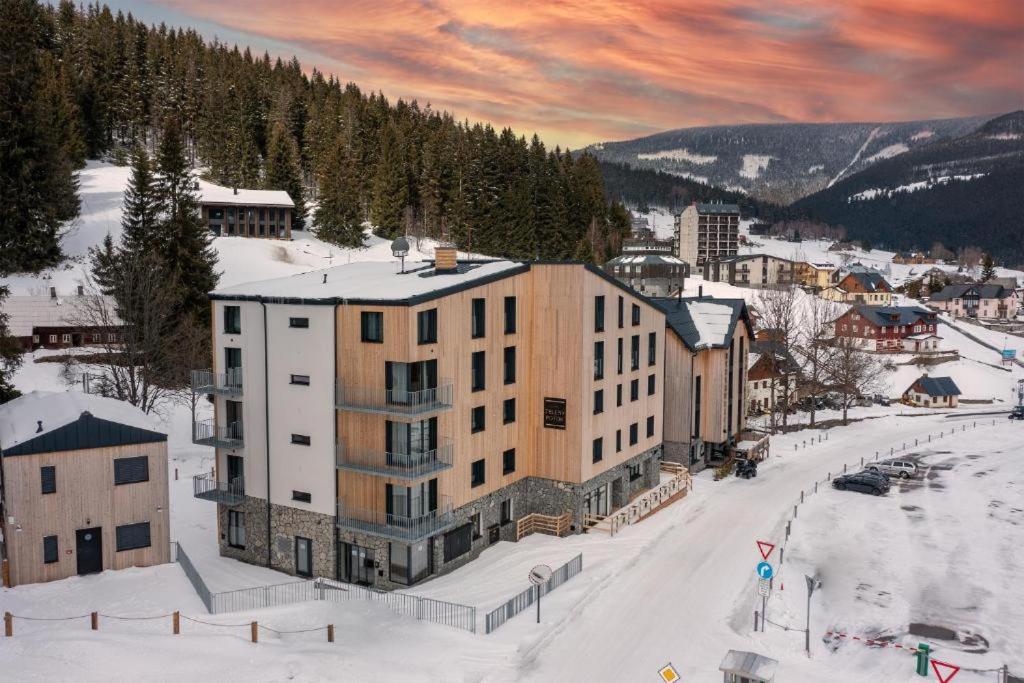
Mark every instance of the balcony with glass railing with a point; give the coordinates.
(396, 465)
(395, 402)
(207, 433)
(398, 527)
(206, 487)
(225, 383)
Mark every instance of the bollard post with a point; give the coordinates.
(330, 633)
(915, 442)
(862, 461)
(787, 529)
(794, 447)
(801, 495)
(794, 512)
(781, 551)
(755, 621)
(828, 477)
(929, 438)
(815, 487)
(844, 468)
(255, 632)
(5, 573)
(8, 624)
(94, 619)
(176, 623)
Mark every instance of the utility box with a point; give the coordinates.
(923, 651)
(747, 667)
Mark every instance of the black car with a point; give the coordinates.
(863, 482)
(1017, 413)
(746, 469)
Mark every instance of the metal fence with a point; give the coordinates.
(496, 617)
(259, 597)
(426, 609)
(178, 555)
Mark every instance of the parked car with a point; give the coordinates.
(882, 400)
(746, 469)
(863, 483)
(904, 469)
(875, 473)
(1017, 413)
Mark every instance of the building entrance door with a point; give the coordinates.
(360, 564)
(89, 549)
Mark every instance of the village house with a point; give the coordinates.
(380, 425)
(932, 392)
(860, 287)
(54, 321)
(651, 274)
(895, 329)
(991, 301)
(772, 376)
(758, 271)
(913, 258)
(84, 487)
(246, 213)
(817, 276)
(705, 373)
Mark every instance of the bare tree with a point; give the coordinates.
(779, 318)
(137, 364)
(853, 372)
(814, 349)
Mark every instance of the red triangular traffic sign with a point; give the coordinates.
(765, 548)
(949, 669)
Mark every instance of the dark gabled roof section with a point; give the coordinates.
(950, 292)
(892, 315)
(937, 386)
(679, 319)
(85, 432)
(870, 281)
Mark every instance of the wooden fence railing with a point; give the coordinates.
(645, 504)
(544, 524)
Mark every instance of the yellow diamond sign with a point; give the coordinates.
(668, 674)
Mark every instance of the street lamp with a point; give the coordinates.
(399, 249)
(811, 585)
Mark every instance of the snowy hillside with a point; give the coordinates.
(240, 259)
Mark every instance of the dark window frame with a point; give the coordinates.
(622, 304)
(478, 318)
(635, 315)
(651, 385)
(634, 390)
(508, 411)
(597, 450)
(368, 332)
(634, 352)
(478, 473)
(476, 426)
(652, 348)
(618, 395)
(233, 517)
(598, 401)
(121, 543)
(301, 440)
(510, 314)
(598, 360)
(297, 380)
(599, 313)
(618, 440)
(478, 370)
(650, 426)
(509, 372)
(508, 456)
(426, 326)
(634, 433)
(302, 496)
(232, 320)
(48, 475)
(298, 323)
(120, 464)
(51, 549)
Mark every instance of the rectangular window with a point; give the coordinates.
(476, 420)
(618, 362)
(302, 496)
(508, 411)
(372, 326)
(479, 323)
(232, 320)
(636, 315)
(598, 452)
(652, 348)
(510, 315)
(426, 327)
(508, 461)
(634, 434)
(50, 554)
(618, 440)
(650, 385)
(510, 365)
(477, 473)
(598, 314)
(598, 360)
(636, 471)
(650, 426)
(598, 401)
(236, 529)
(621, 304)
(479, 372)
(303, 556)
(477, 522)
(48, 477)
(634, 390)
(302, 380)
(300, 439)
(506, 511)
(65, 338)
(53, 339)
(302, 323)
(132, 536)
(131, 470)
(634, 352)
(618, 395)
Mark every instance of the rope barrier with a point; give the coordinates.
(160, 616)
(281, 633)
(210, 623)
(84, 616)
(783, 626)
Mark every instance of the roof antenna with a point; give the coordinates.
(325, 279)
(39, 428)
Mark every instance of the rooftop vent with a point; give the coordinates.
(39, 426)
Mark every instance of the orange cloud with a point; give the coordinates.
(578, 72)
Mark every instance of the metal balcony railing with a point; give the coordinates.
(209, 382)
(398, 527)
(397, 402)
(206, 433)
(226, 493)
(400, 465)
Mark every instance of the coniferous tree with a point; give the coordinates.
(282, 171)
(988, 268)
(38, 189)
(390, 188)
(337, 218)
(10, 355)
(140, 215)
(185, 250)
(103, 262)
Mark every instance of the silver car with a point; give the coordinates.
(904, 469)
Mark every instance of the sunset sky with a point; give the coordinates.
(584, 71)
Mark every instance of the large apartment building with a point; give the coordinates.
(758, 271)
(396, 423)
(706, 231)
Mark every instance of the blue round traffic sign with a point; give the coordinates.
(764, 570)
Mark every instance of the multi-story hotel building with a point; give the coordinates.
(396, 423)
(706, 231)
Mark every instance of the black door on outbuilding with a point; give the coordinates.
(89, 548)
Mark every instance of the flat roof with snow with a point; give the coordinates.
(218, 194)
(25, 313)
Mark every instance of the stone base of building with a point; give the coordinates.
(333, 555)
(287, 523)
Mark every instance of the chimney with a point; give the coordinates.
(81, 290)
(39, 427)
(445, 260)
(53, 292)
(700, 291)
(234, 190)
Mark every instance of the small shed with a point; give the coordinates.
(932, 392)
(747, 667)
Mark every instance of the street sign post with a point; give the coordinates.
(539, 575)
(765, 548)
(764, 570)
(944, 671)
(764, 588)
(812, 583)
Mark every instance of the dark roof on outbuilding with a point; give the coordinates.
(884, 315)
(937, 386)
(950, 292)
